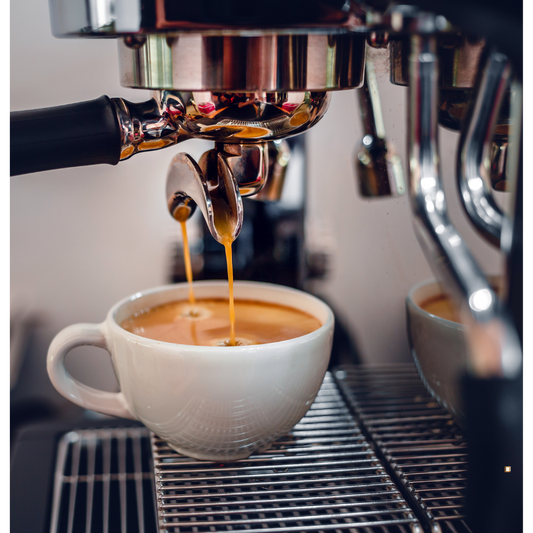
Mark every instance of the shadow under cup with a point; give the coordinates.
(220, 403)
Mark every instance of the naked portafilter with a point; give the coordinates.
(244, 74)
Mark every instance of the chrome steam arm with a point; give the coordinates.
(494, 344)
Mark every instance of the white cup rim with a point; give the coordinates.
(119, 330)
(450, 323)
(443, 321)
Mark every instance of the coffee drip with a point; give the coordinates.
(216, 184)
(187, 259)
(225, 225)
(195, 311)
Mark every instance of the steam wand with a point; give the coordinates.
(475, 146)
(495, 346)
(378, 166)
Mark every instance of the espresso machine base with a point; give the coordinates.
(374, 453)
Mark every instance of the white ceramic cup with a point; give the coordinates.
(439, 347)
(207, 402)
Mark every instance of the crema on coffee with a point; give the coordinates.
(441, 306)
(206, 323)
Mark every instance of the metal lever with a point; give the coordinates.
(475, 147)
(378, 167)
(495, 346)
(216, 184)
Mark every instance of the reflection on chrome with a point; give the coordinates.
(171, 117)
(446, 252)
(481, 300)
(315, 61)
(216, 195)
(378, 167)
(475, 147)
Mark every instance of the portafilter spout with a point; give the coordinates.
(216, 184)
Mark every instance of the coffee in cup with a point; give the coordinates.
(206, 322)
(441, 305)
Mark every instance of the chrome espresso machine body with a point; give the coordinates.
(248, 77)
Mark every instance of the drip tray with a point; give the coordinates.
(322, 476)
(416, 439)
(387, 459)
(104, 482)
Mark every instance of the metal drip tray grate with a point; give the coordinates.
(417, 438)
(387, 460)
(104, 482)
(322, 476)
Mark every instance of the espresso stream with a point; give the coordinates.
(205, 322)
(224, 228)
(229, 264)
(187, 257)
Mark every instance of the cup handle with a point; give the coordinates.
(108, 403)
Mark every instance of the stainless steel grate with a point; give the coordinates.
(323, 476)
(104, 482)
(417, 438)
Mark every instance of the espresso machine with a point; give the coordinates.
(250, 78)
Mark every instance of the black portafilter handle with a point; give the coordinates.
(85, 133)
(494, 414)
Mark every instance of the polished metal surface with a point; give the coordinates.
(104, 18)
(265, 63)
(459, 66)
(322, 476)
(246, 163)
(279, 156)
(112, 18)
(103, 482)
(458, 57)
(217, 183)
(378, 167)
(171, 117)
(145, 126)
(475, 147)
(247, 117)
(498, 165)
(211, 186)
(416, 438)
(494, 344)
